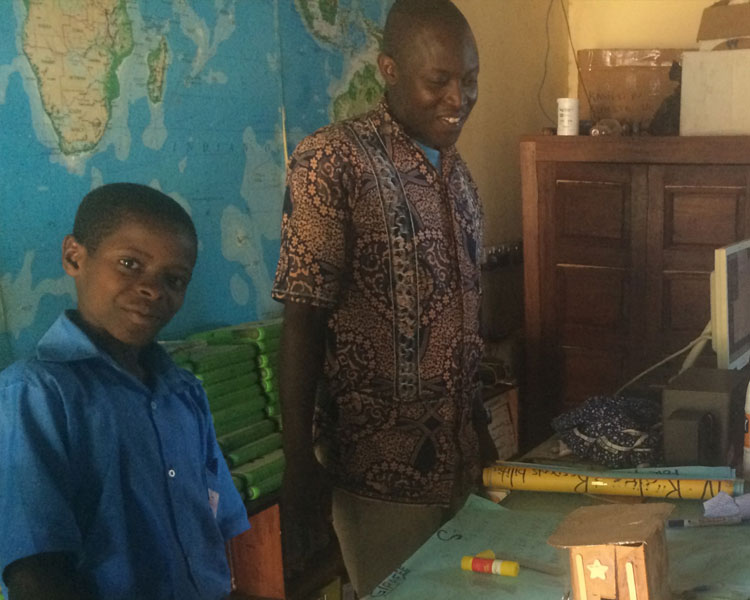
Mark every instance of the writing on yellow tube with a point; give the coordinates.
(531, 478)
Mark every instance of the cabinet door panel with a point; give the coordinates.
(701, 217)
(686, 303)
(591, 214)
(593, 306)
(589, 373)
(594, 274)
(692, 210)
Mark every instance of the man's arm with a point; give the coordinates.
(46, 576)
(301, 366)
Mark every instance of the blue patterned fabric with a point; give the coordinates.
(615, 431)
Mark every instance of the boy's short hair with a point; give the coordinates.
(106, 208)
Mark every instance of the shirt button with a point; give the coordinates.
(153, 405)
(171, 473)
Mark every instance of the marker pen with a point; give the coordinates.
(704, 521)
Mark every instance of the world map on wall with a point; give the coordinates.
(203, 100)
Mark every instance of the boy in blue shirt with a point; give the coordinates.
(112, 484)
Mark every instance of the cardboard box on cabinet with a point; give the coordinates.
(627, 85)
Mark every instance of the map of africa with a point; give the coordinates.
(203, 100)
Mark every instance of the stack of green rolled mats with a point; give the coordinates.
(238, 368)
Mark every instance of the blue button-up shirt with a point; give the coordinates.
(128, 478)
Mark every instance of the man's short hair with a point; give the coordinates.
(106, 208)
(408, 16)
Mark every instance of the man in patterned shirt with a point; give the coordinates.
(379, 274)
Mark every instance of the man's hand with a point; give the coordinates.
(305, 504)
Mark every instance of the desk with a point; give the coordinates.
(710, 556)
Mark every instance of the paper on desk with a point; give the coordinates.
(743, 503)
(724, 505)
(434, 571)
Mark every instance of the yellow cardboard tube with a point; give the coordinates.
(514, 477)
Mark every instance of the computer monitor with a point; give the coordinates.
(702, 409)
(730, 305)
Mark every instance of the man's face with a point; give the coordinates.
(133, 283)
(432, 86)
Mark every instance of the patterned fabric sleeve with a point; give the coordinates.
(314, 228)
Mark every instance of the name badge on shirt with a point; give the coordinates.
(213, 501)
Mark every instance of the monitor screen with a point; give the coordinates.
(730, 305)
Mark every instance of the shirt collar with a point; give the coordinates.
(387, 122)
(432, 154)
(66, 342)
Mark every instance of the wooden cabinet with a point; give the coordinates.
(257, 562)
(618, 240)
(256, 558)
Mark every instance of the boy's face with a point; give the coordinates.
(134, 282)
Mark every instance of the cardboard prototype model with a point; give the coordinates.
(617, 551)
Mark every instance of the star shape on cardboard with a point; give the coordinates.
(597, 570)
